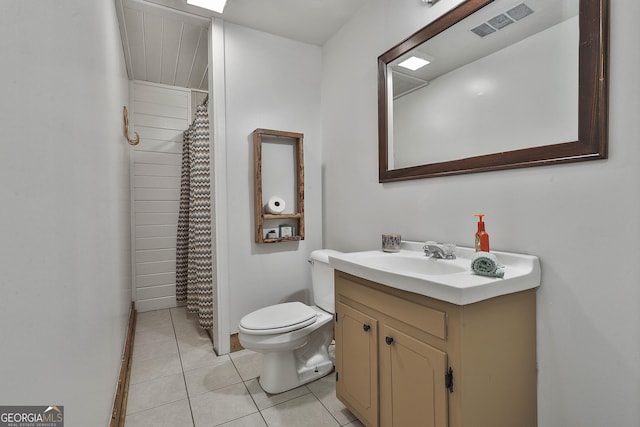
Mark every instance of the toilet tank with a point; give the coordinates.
(322, 279)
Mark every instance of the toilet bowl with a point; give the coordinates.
(293, 337)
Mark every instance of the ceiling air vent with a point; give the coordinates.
(483, 30)
(502, 20)
(519, 12)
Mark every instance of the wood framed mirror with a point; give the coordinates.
(531, 90)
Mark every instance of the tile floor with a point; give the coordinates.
(178, 381)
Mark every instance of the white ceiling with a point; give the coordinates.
(165, 41)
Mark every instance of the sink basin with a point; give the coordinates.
(411, 262)
(448, 280)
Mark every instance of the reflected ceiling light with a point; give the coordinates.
(413, 63)
(215, 5)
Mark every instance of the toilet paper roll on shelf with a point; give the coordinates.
(275, 205)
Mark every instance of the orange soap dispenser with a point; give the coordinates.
(482, 237)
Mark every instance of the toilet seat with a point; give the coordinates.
(278, 318)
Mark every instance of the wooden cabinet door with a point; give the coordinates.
(357, 362)
(412, 382)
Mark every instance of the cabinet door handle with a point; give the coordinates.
(388, 340)
(366, 327)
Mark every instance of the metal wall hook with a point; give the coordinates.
(136, 140)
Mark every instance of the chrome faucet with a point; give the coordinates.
(431, 249)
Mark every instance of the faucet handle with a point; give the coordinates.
(449, 250)
(427, 247)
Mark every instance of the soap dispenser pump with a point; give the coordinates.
(482, 237)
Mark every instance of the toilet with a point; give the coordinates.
(293, 337)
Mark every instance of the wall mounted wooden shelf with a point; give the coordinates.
(266, 136)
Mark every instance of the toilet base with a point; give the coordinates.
(286, 370)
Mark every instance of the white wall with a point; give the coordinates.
(273, 83)
(581, 219)
(64, 220)
(161, 114)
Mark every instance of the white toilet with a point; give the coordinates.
(294, 337)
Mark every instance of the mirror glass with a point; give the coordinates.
(500, 84)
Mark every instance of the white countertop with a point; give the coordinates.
(447, 280)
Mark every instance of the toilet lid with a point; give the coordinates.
(283, 317)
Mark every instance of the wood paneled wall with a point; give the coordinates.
(160, 115)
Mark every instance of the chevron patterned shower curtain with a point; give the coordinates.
(193, 248)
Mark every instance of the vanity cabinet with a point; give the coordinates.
(407, 360)
(357, 337)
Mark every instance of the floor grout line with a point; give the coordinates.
(184, 378)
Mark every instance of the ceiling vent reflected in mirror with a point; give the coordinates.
(519, 12)
(502, 20)
(483, 30)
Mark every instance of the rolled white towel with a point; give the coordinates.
(486, 264)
